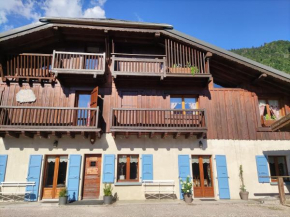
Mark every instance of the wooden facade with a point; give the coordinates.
(137, 72)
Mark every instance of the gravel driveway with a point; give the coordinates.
(166, 209)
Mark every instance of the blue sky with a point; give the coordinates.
(225, 23)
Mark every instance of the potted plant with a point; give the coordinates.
(268, 120)
(63, 197)
(108, 197)
(188, 68)
(186, 188)
(244, 194)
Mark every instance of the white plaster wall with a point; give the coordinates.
(165, 158)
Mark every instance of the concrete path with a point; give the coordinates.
(175, 208)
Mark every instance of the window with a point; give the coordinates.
(270, 109)
(278, 167)
(128, 168)
(183, 102)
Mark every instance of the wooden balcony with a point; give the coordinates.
(162, 66)
(27, 67)
(138, 65)
(78, 63)
(42, 121)
(158, 121)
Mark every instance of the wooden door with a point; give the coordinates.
(92, 176)
(54, 176)
(202, 176)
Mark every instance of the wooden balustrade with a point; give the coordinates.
(183, 59)
(138, 64)
(28, 65)
(48, 117)
(158, 119)
(78, 63)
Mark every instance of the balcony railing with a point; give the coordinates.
(188, 120)
(78, 63)
(28, 65)
(48, 118)
(138, 64)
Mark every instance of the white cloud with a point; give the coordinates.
(7, 27)
(32, 10)
(138, 17)
(72, 8)
(21, 8)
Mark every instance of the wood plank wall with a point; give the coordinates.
(231, 113)
(46, 96)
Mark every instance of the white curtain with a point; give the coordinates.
(133, 159)
(194, 160)
(173, 105)
(123, 159)
(192, 105)
(63, 159)
(274, 108)
(262, 105)
(51, 159)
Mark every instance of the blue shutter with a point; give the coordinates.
(223, 179)
(73, 177)
(3, 162)
(109, 168)
(262, 167)
(183, 169)
(147, 167)
(33, 175)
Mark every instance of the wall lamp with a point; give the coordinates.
(55, 144)
(200, 144)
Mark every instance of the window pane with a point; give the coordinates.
(122, 166)
(134, 167)
(262, 107)
(272, 166)
(207, 172)
(61, 178)
(190, 103)
(195, 171)
(175, 103)
(49, 171)
(282, 166)
(274, 109)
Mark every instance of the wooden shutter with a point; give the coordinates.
(33, 175)
(3, 163)
(223, 179)
(262, 168)
(73, 178)
(94, 97)
(94, 104)
(183, 169)
(147, 167)
(109, 168)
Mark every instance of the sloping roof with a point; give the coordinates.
(229, 54)
(46, 22)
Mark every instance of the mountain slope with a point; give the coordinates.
(275, 54)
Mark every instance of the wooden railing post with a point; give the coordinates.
(281, 190)
(207, 58)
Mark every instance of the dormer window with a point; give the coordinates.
(270, 111)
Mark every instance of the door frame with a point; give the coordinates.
(84, 171)
(44, 174)
(211, 168)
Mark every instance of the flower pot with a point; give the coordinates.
(108, 199)
(187, 198)
(244, 195)
(62, 200)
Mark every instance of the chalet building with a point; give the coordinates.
(91, 101)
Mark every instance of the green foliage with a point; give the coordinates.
(243, 187)
(108, 189)
(275, 54)
(186, 186)
(63, 192)
(268, 117)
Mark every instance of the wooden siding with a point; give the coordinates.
(231, 113)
